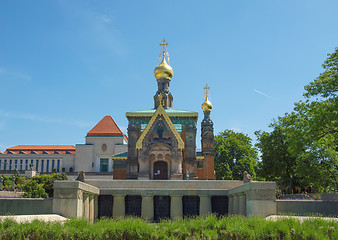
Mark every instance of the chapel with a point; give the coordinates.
(162, 140)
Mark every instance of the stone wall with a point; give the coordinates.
(151, 199)
(307, 207)
(73, 199)
(25, 206)
(253, 199)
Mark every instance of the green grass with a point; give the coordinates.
(232, 227)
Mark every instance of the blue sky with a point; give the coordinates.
(64, 65)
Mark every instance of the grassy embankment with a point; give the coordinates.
(195, 228)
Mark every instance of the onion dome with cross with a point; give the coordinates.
(164, 70)
(206, 105)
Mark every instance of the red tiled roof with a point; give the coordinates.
(42, 148)
(106, 127)
(39, 149)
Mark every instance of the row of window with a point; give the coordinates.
(38, 165)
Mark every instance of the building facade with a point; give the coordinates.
(102, 142)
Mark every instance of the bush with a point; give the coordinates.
(34, 190)
(47, 181)
(239, 228)
(32, 187)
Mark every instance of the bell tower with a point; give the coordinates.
(163, 74)
(207, 137)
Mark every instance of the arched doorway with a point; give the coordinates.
(160, 170)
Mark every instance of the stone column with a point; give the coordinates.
(96, 206)
(176, 207)
(147, 207)
(86, 206)
(242, 204)
(235, 204)
(119, 205)
(205, 205)
(91, 208)
(231, 205)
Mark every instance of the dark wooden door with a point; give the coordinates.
(160, 170)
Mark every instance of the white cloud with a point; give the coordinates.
(38, 118)
(6, 75)
(264, 94)
(104, 18)
(236, 129)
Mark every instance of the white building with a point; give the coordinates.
(102, 142)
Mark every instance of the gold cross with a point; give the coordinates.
(164, 45)
(206, 88)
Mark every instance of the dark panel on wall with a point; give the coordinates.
(161, 207)
(219, 205)
(105, 206)
(191, 206)
(133, 205)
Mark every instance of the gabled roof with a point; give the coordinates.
(106, 127)
(160, 112)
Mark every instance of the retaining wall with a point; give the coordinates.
(306, 207)
(25, 206)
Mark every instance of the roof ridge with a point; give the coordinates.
(106, 127)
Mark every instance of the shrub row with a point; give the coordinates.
(194, 228)
(35, 187)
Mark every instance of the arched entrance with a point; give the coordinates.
(160, 170)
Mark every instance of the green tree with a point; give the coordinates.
(309, 133)
(234, 154)
(277, 163)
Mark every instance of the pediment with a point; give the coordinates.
(161, 129)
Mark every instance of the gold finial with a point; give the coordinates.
(164, 51)
(164, 45)
(206, 106)
(206, 94)
(163, 70)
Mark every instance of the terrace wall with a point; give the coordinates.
(306, 207)
(25, 206)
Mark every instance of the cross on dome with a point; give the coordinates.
(206, 88)
(164, 45)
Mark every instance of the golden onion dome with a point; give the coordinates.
(206, 105)
(163, 70)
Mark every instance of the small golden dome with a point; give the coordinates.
(163, 70)
(206, 105)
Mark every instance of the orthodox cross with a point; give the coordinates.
(206, 88)
(164, 46)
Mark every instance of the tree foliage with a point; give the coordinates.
(234, 154)
(47, 181)
(309, 135)
(277, 163)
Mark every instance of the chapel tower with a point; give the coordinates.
(207, 137)
(163, 74)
